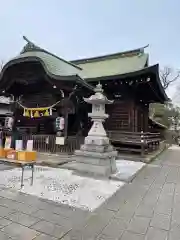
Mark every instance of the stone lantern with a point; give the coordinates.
(97, 156)
(97, 134)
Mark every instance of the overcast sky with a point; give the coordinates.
(83, 28)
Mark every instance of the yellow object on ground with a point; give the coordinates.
(6, 151)
(12, 154)
(2, 153)
(26, 156)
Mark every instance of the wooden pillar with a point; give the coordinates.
(146, 117)
(142, 117)
(131, 115)
(66, 124)
(134, 117)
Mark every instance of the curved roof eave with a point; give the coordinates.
(151, 69)
(160, 84)
(125, 75)
(74, 77)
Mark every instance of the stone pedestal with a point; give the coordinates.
(96, 156)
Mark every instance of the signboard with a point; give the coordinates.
(19, 145)
(47, 140)
(60, 140)
(29, 146)
(7, 143)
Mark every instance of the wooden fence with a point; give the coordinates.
(141, 143)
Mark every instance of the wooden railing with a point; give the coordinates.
(133, 136)
(47, 143)
(140, 142)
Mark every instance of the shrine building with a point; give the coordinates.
(43, 87)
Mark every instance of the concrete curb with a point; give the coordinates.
(156, 155)
(129, 179)
(51, 163)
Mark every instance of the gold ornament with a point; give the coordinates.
(46, 114)
(36, 114)
(27, 114)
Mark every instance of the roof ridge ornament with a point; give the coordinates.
(142, 49)
(30, 46)
(27, 40)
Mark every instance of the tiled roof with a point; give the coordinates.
(53, 65)
(113, 64)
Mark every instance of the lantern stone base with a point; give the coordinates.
(90, 169)
(95, 159)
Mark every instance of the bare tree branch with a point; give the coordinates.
(168, 76)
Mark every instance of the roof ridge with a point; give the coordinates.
(30, 46)
(111, 55)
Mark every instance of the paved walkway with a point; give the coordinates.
(146, 209)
